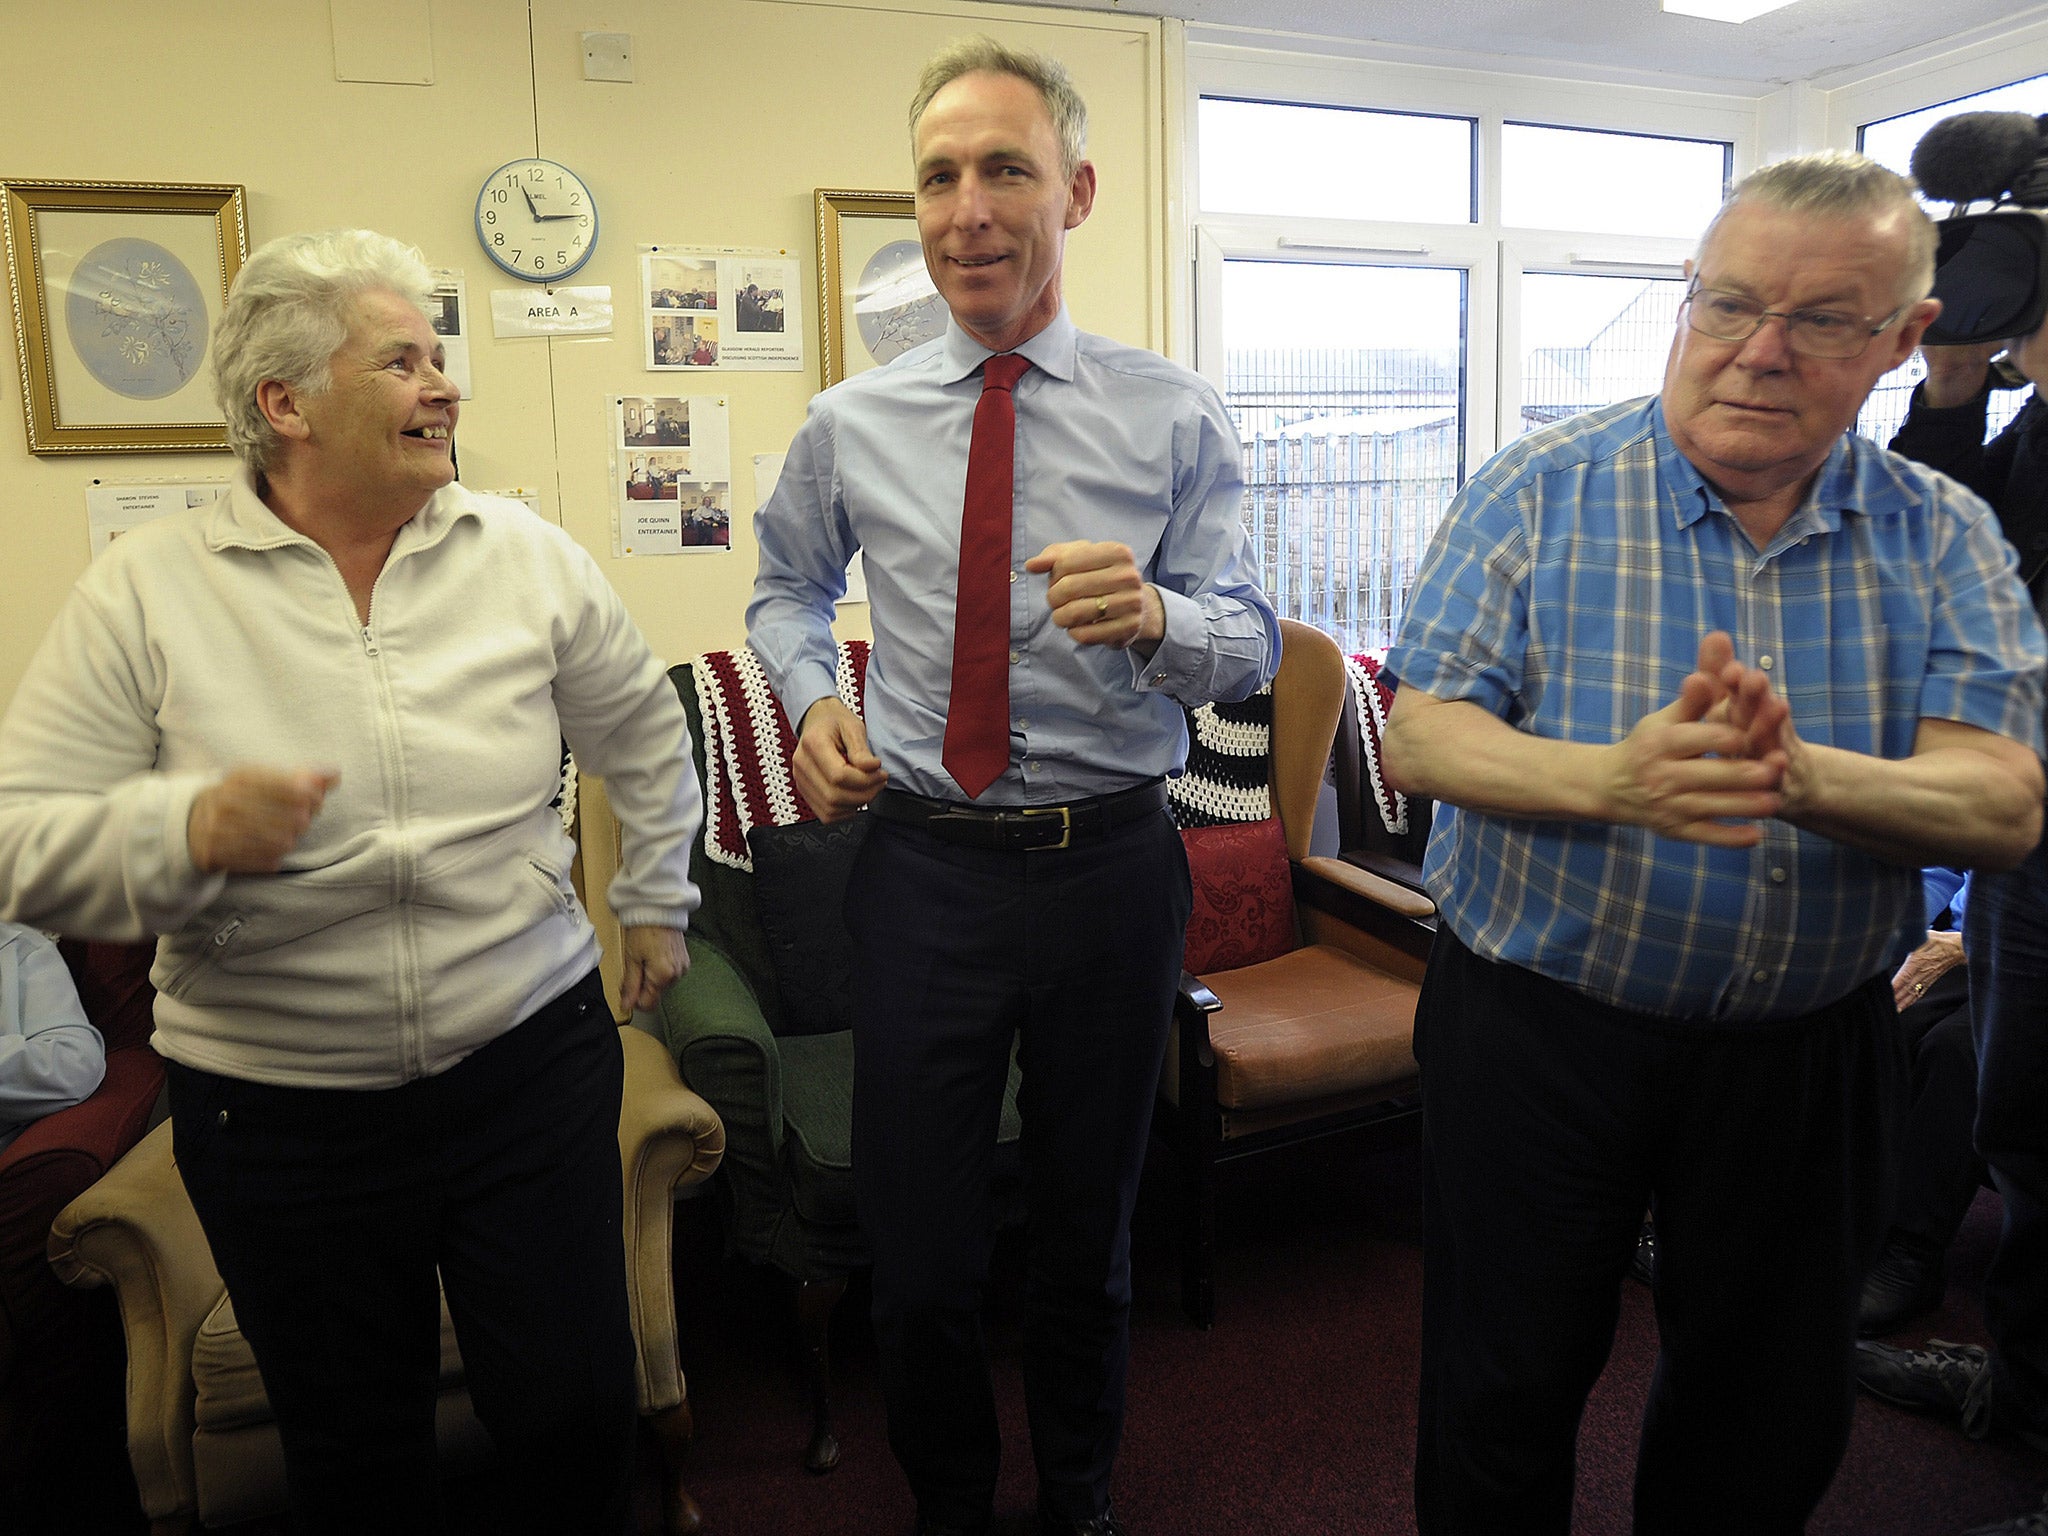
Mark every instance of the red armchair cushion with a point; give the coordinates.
(1244, 895)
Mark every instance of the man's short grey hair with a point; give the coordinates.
(1840, 184)
(1049, 77)
(288, 314)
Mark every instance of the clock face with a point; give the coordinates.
(536, 220)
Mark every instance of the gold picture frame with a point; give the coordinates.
(118, 287)
(859, 327)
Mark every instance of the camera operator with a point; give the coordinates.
(2005, 933)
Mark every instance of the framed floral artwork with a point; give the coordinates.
(117, 288)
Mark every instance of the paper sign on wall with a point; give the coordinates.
(671, 475)
(563, 312)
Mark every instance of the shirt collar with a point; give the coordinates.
(1051, 350)
(1836, 488)
(242, 520)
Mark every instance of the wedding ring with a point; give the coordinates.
(1919, 986)
(1101, 609)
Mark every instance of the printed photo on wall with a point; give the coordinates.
(708, 308)
(671, 474)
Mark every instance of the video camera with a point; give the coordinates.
(1991, 272)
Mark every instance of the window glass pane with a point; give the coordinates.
(1335, 162)
(1589, 341)
(1347, 384)
(1890, 140)
(1609, 183)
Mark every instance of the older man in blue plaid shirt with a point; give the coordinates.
(1702, 682)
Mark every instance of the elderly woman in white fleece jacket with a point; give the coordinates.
(309, 736)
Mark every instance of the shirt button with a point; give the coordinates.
(1765, 662)
(1013, 578)
(1036, 766)
(1022, 725)
(1761, 977)
(1015, 657)
(1777, 877)
(223, 1117)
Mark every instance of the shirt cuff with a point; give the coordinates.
(1174, 668)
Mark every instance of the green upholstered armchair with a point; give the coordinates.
(774, 1056)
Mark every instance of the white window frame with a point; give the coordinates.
(1493, 255)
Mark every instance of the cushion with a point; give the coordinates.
(1313, 1024)
(800, 875)
(1244, 895)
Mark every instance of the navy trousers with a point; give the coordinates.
(328, 1212)
(1551, 1121)
(2005, 932)
(1075, 954)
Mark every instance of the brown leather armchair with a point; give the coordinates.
(1314, 1037)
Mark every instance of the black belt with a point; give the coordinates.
(1023, 828)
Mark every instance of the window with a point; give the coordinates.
(1890, 141)
(1374, 345)
(1348, 390)
(1609, 183)
(1334, 163)
(1589, 341)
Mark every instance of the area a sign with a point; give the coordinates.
(554, 312)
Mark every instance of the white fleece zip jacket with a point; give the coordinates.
(428, 909)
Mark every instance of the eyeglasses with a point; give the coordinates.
(1810, 332)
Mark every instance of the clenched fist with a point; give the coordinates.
(250, 820)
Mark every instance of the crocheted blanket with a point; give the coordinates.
(1228, 777)
(748, 746)
(1369, 691)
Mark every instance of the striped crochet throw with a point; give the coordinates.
(1228, 777)
(1369, 691)
(748, 745)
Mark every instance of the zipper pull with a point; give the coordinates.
(369, 642)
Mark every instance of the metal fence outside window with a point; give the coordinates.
(1351, 457)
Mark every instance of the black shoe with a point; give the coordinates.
(2035, 1524)
(1104, 1524)
(1949, 1380)
(1643, 1266)
(926, 1527)
(1905, 1282)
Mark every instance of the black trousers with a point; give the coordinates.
(1938, 1168)
(1076, 955)
(328, 1212)
(1550, 1122)
(2006, 936)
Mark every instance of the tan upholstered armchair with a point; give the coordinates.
(200, 1433)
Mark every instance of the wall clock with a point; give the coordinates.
(536, 220)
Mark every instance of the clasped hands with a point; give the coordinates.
(1096, 594)
(1712, 764)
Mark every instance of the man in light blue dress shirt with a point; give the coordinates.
(1049, 905)
(1673, 883)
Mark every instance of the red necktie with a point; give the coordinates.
(977, 748)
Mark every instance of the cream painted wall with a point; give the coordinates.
(739, 109)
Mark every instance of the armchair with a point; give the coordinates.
(200, 1435)
(1297, 1011)
(1379, 829)
(56, 1345)
(759, 1026)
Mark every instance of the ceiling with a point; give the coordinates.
(1805, 39)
